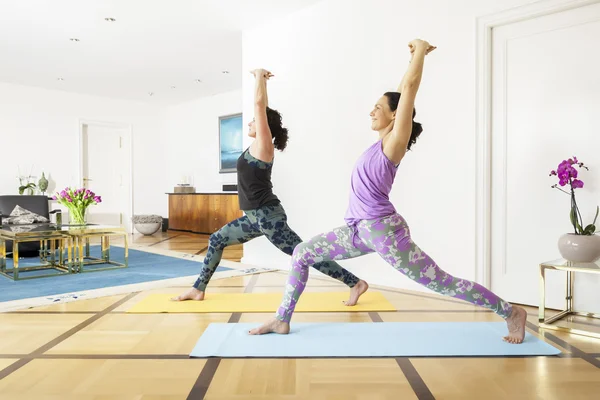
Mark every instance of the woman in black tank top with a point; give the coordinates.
(264, 214)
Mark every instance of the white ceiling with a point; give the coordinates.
(152, 46)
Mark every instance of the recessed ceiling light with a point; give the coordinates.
(225, 72)
(172, 87)
(74, 40)
(198, 81)
(110, 19)
(151, 94)
(60, 79)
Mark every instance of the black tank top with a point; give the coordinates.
(255, 189)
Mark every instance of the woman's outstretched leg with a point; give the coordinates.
(238, 231)
(335, 245)
(390, 237)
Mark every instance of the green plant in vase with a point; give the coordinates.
(25, 183)
(583, 245)
(77, 201)
(29, 187)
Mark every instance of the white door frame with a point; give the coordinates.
(127, 128)
(483, 167)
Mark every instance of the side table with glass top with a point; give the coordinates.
(51, 238)
(80, 241)
(570, 268)
(62, 248)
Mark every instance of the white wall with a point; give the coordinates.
(40, 128)
(331, 63)
(192, 147)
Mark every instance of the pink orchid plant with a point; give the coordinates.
(568, 174)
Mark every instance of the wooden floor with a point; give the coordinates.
(92, 349)
(183, 242)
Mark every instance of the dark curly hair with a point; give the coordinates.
(417, 128)
(278, 132)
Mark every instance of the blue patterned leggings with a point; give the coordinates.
(270, 221)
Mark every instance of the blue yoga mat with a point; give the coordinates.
(380, 339)
(143, 267)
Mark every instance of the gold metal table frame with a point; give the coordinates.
(570, 268)
(81, 249)
(48, 260)
(71, 242)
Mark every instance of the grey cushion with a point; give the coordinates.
(21, 216)
(36, 204)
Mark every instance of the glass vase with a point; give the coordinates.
(77, 216)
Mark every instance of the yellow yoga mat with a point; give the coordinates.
(261, 302)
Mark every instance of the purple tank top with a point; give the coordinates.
(370, 186)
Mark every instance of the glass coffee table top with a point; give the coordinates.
(565, 265)
(49, 228)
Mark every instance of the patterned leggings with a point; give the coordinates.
(270, 221)
(390, 238)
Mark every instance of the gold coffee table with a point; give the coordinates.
(80, 236)
(61, 248)
(49, 235)
(570, 268)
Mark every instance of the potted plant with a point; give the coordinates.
(147, 224)
(77, 201)
(25, 183)
(582, 245)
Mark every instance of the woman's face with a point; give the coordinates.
(252, 129)
(381, 115)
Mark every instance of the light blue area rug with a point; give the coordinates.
(377, 339)
(143, 267)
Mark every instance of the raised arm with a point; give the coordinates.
(399, 90)
(262, 148)
(396, 144)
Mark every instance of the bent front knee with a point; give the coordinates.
(303, 255)
(217, 241)
(299, 249)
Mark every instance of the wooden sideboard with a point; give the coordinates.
(202, 212)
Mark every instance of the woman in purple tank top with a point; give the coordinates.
(373, 225)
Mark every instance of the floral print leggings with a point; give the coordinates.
(269, 221)
(390, 238)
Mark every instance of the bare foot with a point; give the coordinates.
(356, 292)
(192, 294)
(516, 325)
(273, 326)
